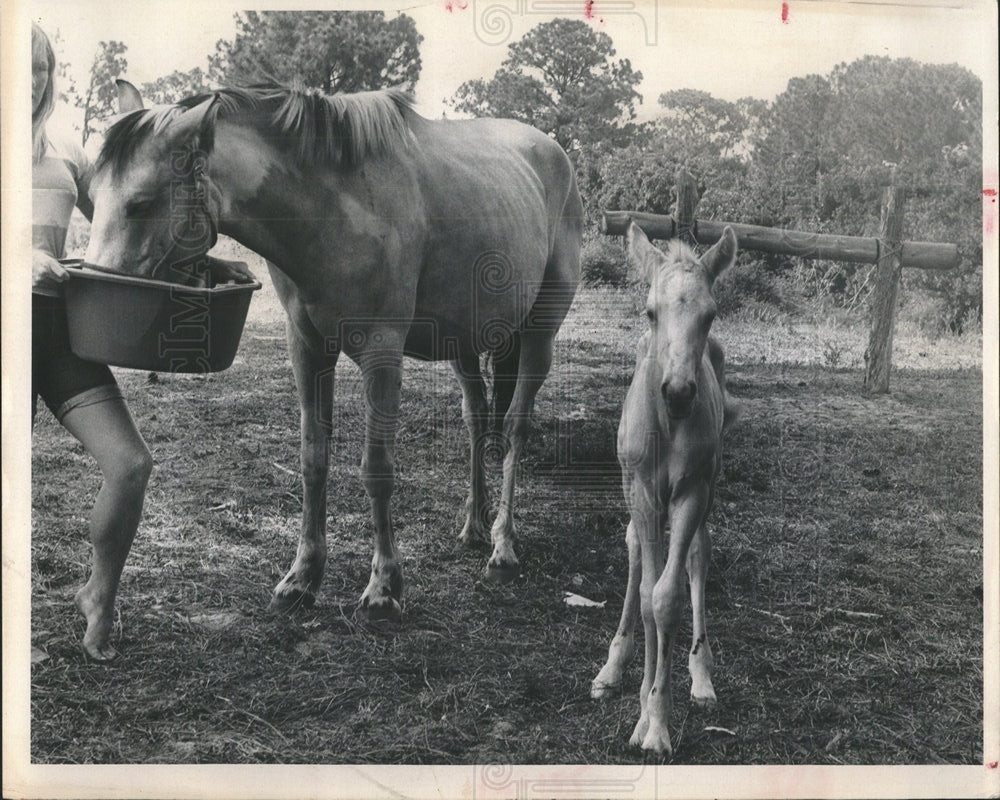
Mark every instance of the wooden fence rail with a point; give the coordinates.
(887, 252)
(854, 249)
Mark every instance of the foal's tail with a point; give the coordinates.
(731, 409)
(505, 361)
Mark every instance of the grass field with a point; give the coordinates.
(845, 595)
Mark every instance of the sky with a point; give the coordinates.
(728, 49)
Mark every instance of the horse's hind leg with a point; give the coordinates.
(475, 411)
(622, 646)
(314, 370)
(533, 367)
(700, 658)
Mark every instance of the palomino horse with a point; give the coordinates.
(385, 234)
(670, 450)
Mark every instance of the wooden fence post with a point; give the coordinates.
(687, 206)
(878, 356)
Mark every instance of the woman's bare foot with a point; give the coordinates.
(96, 644)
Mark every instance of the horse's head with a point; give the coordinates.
(155, 211)
(680, 308)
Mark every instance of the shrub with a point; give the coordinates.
(603, 262)
(747, 280)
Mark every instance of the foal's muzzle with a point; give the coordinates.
(679, 397)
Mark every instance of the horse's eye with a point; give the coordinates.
(651, 315)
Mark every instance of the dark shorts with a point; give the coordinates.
(64, 380)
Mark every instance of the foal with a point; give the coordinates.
(670, 450)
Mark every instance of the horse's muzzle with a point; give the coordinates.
(679, 398)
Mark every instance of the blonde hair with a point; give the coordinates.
(40, 45)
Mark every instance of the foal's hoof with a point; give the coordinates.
(703, 700)
(386, 610)
(290, 601)
(502, 571)
(601, 691)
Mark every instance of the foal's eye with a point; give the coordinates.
(651, 315)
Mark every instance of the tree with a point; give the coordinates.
(100, 101)
(334, 51)
(701, 125)
(175, 86)
(562, 78)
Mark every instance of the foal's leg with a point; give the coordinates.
(475, 412)
(314, 371)
(381, 371)
(700, 658)
(533, 367)
(622, 646)
(687, 512)
(649, 531)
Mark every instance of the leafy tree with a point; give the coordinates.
(700, 125)
(175, 86)
(334, 51)
(562, 78)
(100, 100)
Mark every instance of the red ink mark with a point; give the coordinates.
(450, 5)
(784, 13)
(991, 193)
(588, 10)
(992, 764)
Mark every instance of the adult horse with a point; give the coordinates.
(385, 234)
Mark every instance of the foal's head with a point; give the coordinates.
(680, 309)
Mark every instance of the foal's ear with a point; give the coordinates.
(129, 98)
(721, 255)
(645, 257)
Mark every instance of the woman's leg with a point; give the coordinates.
(108, 433)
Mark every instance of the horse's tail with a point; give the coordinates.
(731, 409)
(505, 361)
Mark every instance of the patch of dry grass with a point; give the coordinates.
(845, 596)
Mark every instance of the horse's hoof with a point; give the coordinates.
(288, 602)
(657, 741)
(388, 610)
(704, 701)
(474, 537)
(601, 691)
(502, 572)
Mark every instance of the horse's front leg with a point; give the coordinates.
(700, 660)
(622, 646)
(381, 371)
(687, 513)
(314, 371)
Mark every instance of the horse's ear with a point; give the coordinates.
(722, 254)
(195, 126)
(645, 257)
(129, 98)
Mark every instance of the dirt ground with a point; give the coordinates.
(845, 596)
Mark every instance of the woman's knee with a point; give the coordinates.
(129, 467)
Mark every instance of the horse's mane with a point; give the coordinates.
(318, 129)
(681, 254)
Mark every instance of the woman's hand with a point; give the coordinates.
(46, 272)
(225, 271)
